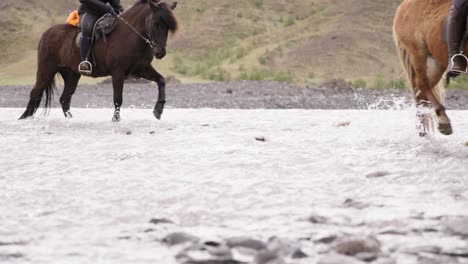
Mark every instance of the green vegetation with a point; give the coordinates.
(460, 82)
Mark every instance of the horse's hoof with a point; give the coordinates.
(25, 116)
(158, 109)
(422, 134)
(68, 115)
(445, 129)
(157, 114)
(116, 119)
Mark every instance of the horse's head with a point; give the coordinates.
(160, 23)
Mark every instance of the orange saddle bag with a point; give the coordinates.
(73, 19)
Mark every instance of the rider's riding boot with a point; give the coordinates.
(456, 26)
(85, 66)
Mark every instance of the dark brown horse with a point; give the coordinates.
(129, 50)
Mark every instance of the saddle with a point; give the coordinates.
(103, 27)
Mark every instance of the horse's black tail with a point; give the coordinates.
(49, 95)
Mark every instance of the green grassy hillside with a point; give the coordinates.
(301, 41)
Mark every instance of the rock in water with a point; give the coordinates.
(377, 174)
(158, 221)
(353, 245)
(245, 242)
(178, 238)
(343, 124)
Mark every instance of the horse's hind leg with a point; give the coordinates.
(71, 80)
(44, 81)
(428, 89)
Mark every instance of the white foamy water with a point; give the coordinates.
(83, 190)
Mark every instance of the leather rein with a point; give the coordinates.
(149, 40)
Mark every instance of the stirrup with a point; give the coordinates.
(88, 68)
(452, 60)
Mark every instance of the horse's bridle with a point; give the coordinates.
(150, 40)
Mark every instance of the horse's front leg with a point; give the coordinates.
(149, 73)
(118, 80)
(71, 80)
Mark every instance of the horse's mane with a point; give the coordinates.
(168, 17)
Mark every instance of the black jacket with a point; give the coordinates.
(99, 7)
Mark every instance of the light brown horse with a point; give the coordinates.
(417, 33)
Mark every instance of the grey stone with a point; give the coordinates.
(245, 242)
(298, 254)
(352, 245)
(317, 219)
(158, 221)
(326, 239)
(177, 238)
(377, 174)
(350, 203)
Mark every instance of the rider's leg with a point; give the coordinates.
(456, 27)
(87, 24)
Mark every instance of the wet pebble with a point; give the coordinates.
(350, 203)
(178, 238)
(13, 243)
(353, 245)
(245, 242)
(317, 219)
(158, 221)
(261, 139)
(393, 231)
(343, 124)
(10, 256)
(377, 174)
(299, 254)
(325, 239)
